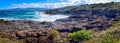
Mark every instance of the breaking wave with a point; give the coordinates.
(33, 16)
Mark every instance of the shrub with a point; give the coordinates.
(112, 36)
(65, 39)
(54, 35)
(107, 39)
(80, 35)
(7, 40)
(118, 42)
(116, 24)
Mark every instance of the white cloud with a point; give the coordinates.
(46, 5)
(117, 0)
(57, 5)
(96, 1)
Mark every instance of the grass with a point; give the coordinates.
(116, 24)
(6, 40)
(107, 36)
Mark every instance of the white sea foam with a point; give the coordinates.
(36, 16)
(49, 18)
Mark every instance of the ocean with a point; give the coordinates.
(33, 16)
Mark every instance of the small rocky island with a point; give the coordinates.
(96, 17)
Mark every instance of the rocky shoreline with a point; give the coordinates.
(97, 18)
(32, 30)
(71, 24)
(66, 25)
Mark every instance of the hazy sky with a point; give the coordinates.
(46, 3)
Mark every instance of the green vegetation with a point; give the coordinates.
(6, 40)
(118, 42)
(63, 40)
(107, 36)
(80, 35)
(112, 5)
(101, 6)
(107, 39)
(112, 36)
(54, 35)
(86, 36)
(116, 24)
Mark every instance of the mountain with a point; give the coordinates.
(74, 9)
(102, 9)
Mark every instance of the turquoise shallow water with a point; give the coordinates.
(33, 16)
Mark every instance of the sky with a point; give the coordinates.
(6, 4)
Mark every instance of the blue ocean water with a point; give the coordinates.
(33, 16)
